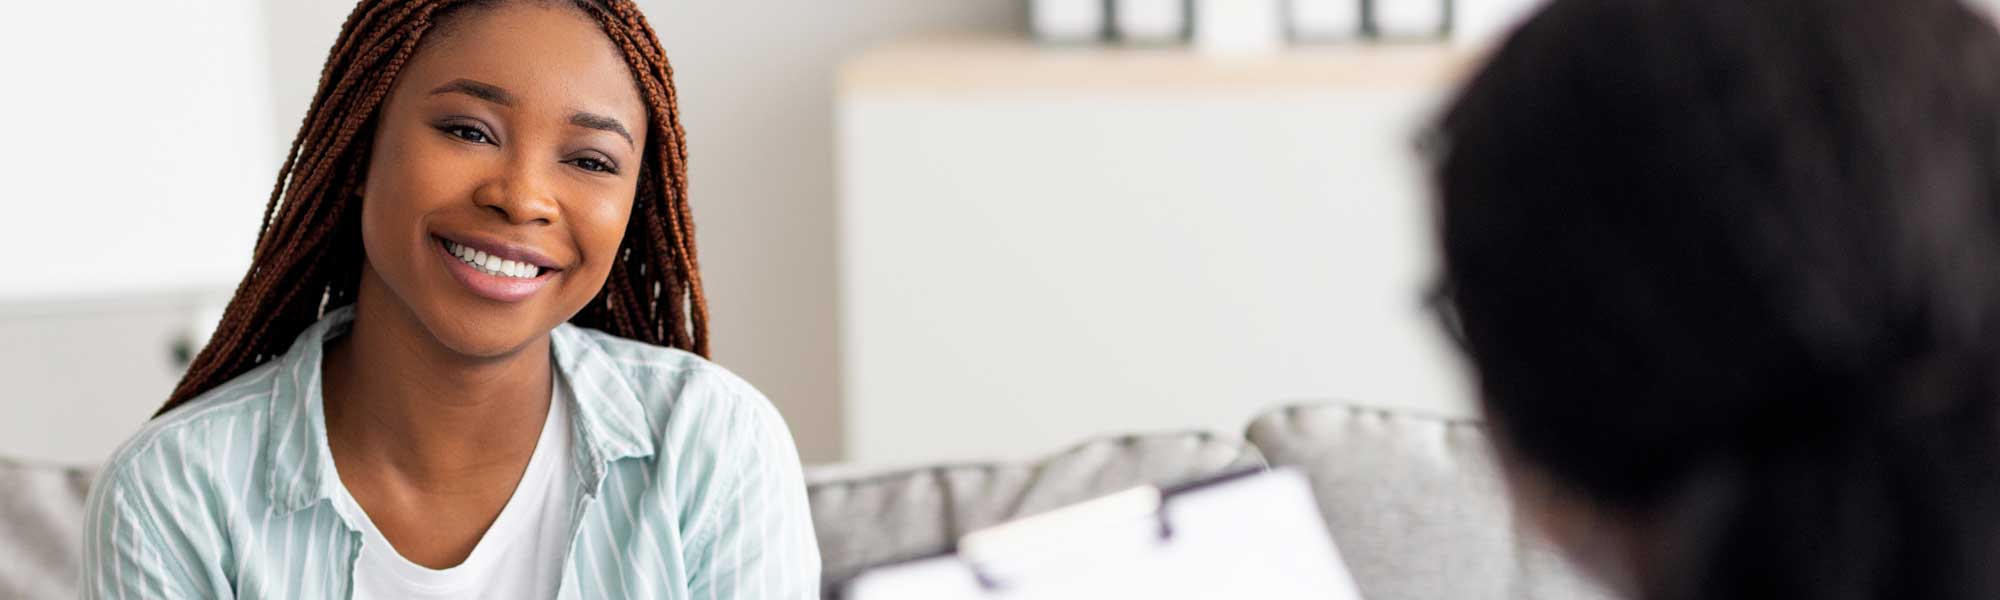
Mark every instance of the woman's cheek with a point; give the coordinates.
(600, 230)
(420, 173)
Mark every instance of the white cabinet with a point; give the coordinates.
(1043, 244)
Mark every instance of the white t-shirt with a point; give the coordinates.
(520, 556)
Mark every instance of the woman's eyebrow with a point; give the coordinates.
(602, 123)
(477, 89)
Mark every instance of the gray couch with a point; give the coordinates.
(1413, 502)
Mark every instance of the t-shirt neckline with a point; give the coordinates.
(515, 520)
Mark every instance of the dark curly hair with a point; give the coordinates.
(1734, 266)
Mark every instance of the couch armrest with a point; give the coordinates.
(1416, 504)
(41, 529)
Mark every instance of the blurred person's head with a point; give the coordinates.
(477, 172)
(1729, 274)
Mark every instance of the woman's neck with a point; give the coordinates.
(402, 406)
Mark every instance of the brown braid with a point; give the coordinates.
(307, 259)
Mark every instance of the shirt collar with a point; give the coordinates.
(611, 421)
(608, 420)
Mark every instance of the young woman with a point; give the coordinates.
(464, 362)
(1729, 271)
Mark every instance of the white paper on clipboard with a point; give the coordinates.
(1249, 536)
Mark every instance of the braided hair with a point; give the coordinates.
(308, 255)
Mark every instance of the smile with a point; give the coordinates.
(496, 271)
(490, 264)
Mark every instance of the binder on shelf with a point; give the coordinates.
(1324, 20)
(1410, 19)
(1150, 21)
(1238, 26)
(1068, 21)
(1255, 534)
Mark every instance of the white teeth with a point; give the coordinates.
(492, 265)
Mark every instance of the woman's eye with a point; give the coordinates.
(467, 133)
(593, 165)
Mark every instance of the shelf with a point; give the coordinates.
(996, 64)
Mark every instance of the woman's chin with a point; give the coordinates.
(477, 338)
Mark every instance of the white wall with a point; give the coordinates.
(137, 154)
(133, 145)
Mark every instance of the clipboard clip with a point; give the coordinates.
(1118, 524)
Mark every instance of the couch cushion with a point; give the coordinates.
(1416, 505)
(41, 525)
(872, 520)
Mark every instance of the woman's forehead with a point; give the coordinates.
(540, 53)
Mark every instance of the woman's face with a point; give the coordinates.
(503, 172)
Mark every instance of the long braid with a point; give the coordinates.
(681, 213)
(308, 255)
(661, 275)
(269, 297)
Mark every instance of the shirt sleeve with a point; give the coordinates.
(124, 555)
(746, 519)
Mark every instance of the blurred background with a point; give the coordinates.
(927, 232)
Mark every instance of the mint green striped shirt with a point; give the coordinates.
(691, 486)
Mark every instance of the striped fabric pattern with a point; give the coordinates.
(691, 486)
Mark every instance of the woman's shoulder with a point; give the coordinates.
(683, 394)
(629, 352)
(654, 365)
(723, 459)
(204, 438)
(204, 423)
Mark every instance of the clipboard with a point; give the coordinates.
(1250, 534)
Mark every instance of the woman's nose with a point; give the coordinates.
(519, 197)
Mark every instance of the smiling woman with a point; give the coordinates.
(466, 360)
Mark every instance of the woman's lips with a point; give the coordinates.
(493, 284)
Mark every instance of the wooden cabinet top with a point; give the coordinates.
(957, 64)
